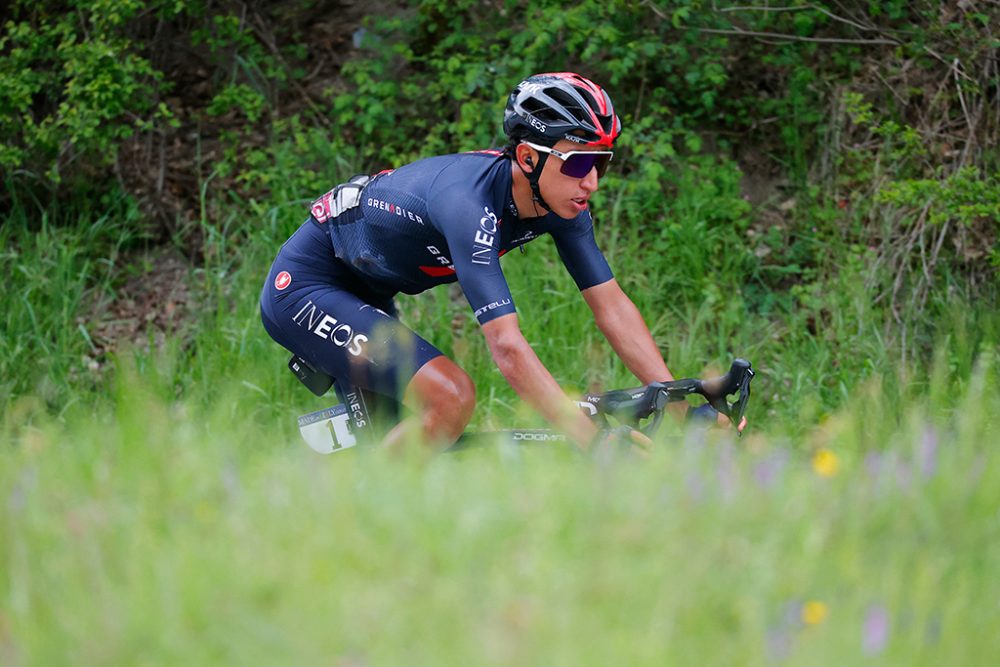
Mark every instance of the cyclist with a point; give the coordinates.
(329, 295)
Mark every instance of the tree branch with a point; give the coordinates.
(797, 38)
(753, 8)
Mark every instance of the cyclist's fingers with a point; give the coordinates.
(678, 410)
(723, 420)
(640, 439)
(640, 451)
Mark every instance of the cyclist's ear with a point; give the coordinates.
(523, 156)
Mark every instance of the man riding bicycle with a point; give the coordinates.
(329, 295)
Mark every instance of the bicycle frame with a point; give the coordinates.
(345, 425)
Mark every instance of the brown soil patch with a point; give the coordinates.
(155, 303)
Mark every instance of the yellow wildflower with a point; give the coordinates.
(814, 612)
(825, 463)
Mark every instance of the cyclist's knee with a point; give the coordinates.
(462, 397)
(445, 393)
(452, 393)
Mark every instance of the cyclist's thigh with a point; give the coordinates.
(348, 337)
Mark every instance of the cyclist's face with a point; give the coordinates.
(567, 196)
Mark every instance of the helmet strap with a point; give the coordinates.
(533, 176)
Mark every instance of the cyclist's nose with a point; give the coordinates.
(589, 182)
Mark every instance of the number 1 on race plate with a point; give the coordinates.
(326, 431)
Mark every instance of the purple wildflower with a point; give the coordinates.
(727, 471)
(874, 464)
(767, 472)
(781, 634)
(927, 453)
(779, 643)
(875, 632)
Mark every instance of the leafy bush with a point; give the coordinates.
(75, 87)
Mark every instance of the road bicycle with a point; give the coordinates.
(357, 418)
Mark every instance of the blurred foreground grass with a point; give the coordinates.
(161, 532)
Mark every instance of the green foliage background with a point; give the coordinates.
(766, 149)
(814, 186)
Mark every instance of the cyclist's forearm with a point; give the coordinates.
(632, 341)
(533, 383)
(622, 324)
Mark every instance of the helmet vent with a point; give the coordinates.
(569, 103)
(542, 111)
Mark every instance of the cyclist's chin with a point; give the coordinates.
(571, 208)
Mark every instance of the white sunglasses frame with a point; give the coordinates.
(565, 156)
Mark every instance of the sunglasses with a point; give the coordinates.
(578, 164)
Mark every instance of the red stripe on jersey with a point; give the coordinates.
(438, 271)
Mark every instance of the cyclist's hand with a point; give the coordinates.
(723, 421)
(640, 441)
(679, 410)
(623, 438)
(706, 413)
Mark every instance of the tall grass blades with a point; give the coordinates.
(157, 531)
(54, 271)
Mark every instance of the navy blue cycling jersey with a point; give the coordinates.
(449, 218)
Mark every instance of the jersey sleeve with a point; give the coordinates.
(580, 254)
(472, 230)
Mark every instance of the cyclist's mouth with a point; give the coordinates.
(581, 203)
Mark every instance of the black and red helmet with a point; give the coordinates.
(561, 105)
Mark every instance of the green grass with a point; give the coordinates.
(160, 532)
(52, 272)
